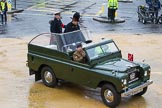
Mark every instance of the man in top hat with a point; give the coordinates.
(56, 25)
(74, 24)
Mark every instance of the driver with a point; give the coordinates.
(79, 54)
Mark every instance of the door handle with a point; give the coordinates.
(72, 69)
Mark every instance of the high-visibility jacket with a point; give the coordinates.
(3, 6)
(112, 4)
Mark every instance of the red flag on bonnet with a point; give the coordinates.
(130, 57)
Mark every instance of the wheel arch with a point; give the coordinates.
(101, 83)
(38, 73)
(41, 67)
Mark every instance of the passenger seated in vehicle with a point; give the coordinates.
(79, 55)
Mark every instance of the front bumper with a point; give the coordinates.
(137, 89)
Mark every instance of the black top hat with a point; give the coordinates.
(76, 16)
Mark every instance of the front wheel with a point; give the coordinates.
(110, 96)
(143, 21)
(155, 21)
(142, 92)
(160, 20)
(48, 77)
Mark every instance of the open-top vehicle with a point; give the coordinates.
(50, 59)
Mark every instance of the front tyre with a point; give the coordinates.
(160, 20)
(110, 96)
(143, 21)
(48, 77)
(142, 92)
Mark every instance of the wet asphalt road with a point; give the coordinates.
(18, 89)
(34, 20)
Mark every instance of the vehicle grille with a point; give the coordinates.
(133, 75)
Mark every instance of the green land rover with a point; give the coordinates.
(50, 58)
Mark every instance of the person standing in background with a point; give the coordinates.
(3, 11)
(149, 3)
(56, 25)
(112, 7)
(156, 7)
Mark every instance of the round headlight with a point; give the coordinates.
(145, 73)
(124, 81)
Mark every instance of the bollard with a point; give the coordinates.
(104, 10)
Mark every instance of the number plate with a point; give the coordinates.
(137, 91)
(132, 76)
